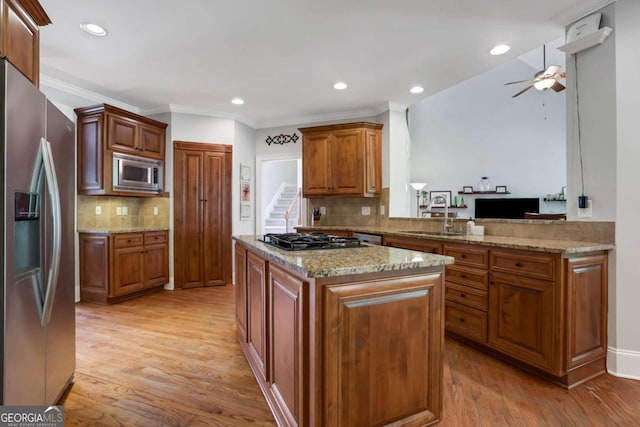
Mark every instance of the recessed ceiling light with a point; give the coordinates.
(340, 86)
(94, 29)
(499, 49)
(237, 101)
(416, 89)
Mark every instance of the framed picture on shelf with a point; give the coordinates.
(501, 188)
(439, 203)
(467, 189)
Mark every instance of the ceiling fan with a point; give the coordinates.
(547, 78)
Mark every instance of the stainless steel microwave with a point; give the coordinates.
(137, 174)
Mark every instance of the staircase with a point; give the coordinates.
(274, 217)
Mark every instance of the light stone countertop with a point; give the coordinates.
(566, 247)
(121, 230)
(345, 261)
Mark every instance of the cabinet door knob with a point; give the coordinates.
(462, 276)
(462, 295)
(463, 256)
(492, 282)
(433, 251)
(462, 320)
(518, 264)
(128, 240)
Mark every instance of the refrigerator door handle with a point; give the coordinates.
(54, 194)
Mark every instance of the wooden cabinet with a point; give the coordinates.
(241, 292)
(288, 322)
(132, 136)
(20, 35)
(542, 311)
(423, 245)
(466, 291)
(358, 350)
(202, 214)
(342, 160)
(104, 129)
(257, 314)
(114, 267)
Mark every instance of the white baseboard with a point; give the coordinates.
(623, 363)
(170, 286)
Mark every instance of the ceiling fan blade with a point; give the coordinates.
(522, 91)
(553, 69)
(557, 86)
(519, 81)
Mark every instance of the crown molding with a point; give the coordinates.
(198, 111)
(88, 95)
(585, 8)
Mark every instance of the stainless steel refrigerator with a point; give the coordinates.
(37, 317)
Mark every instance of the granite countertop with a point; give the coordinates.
(567, 247)
(346, 261)
(121, 230)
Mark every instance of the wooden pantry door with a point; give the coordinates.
(202, 214)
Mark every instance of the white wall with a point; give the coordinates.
(625, 355)
(396, 144)
(477, 129)
(244, 152)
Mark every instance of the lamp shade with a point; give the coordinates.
(418, 185)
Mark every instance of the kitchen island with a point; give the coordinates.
(345, 337)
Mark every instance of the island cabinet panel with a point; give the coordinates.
(257, 319)
(342, 160)
(383, 339)
(288, 302)
(241, 292)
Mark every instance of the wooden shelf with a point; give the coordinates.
(485, 192)
(441, 207)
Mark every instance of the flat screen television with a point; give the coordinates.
(506, 207)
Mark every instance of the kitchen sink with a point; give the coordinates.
(433, 233)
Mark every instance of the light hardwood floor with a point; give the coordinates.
(171, 359)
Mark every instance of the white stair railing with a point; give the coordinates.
(287, 213)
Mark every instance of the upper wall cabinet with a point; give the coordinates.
(104, 129)
(342, 160)
(20, 36)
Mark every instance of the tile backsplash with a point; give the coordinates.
(348, 212)
(140, 212)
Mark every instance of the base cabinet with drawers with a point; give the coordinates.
(544, 312)
(120, 266)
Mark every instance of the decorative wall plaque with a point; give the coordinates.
(282, 139)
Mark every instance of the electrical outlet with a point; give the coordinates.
(381, 210)
(366, 210)
(125, 210)
(118, 210)
(98, 210)
(155, 210)
(323, 210)
(586, 212)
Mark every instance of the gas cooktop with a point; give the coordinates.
(306, 241)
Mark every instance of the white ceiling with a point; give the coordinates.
(283, 56)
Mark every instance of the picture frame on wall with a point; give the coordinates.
(467, 189)
(439, 204)
(501, 188)
(245, 191)
(245, 173)
(245, 211)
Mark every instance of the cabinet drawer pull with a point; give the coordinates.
(128, 240)
(461, 320)
(433, 251)
(492, 282)
(463, 256)
(462, 295)
(518, 264)
(462, 276)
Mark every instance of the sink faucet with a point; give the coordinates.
(448, 222)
